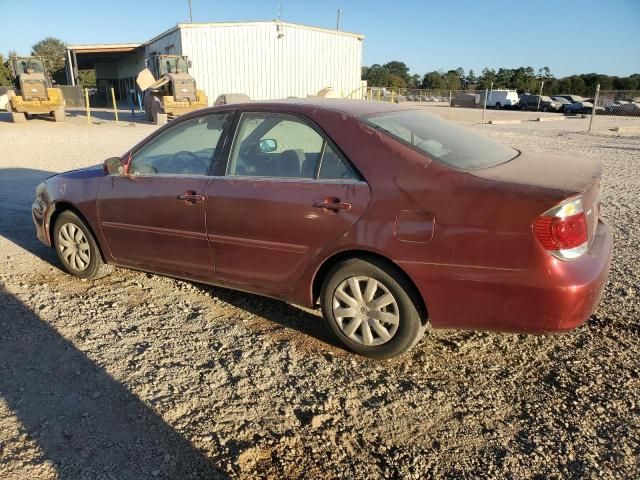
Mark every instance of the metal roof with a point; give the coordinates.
(248, 24)
(113, 47)
(128, 47)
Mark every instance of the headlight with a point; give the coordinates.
(40, 189)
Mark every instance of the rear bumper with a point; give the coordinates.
(556, 297)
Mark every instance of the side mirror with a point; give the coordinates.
(268, 145)
(113, 166)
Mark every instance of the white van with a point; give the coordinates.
(500, 99)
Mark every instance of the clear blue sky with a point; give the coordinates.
(569, 36)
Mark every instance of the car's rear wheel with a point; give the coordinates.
(498, 105)
(76, 247)
(371, 308)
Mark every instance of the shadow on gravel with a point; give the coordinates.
(17, 190)
(83, 420)
(277, 312)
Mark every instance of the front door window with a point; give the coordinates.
(186, 149)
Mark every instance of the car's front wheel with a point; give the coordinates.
(76, 247)
(371, 308)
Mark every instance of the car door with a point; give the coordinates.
(153, 216)
(285, 194)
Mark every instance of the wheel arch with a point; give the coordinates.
(62, 206)
(376, 259)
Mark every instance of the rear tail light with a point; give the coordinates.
(563, 230)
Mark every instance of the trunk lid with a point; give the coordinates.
(553, 180)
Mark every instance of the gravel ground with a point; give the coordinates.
(138, 376)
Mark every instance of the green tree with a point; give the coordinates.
(5, 73)
(53, 50)
(415, 81)
(453, 80)
(398, 68)
(484, 81)
(87, 78)
(396, 81)
(434, 81)
(471, 80)
(377, 76)
(462, 77)
(544, 73)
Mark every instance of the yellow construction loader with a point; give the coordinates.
(33, 92)
(173, 93)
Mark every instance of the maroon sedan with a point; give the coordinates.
(388, 217)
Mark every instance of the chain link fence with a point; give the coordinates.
(605, 110)
(624, 103)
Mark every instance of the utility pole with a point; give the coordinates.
(190, 13)
(338, 20)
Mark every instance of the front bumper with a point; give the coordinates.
(39, 215)
(558, 296)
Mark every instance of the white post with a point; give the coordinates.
(70, 67)
(540, 96)
(595, 103)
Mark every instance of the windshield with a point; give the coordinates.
(30, 65)
(456, 146)
(173, 65)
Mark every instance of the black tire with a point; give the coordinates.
(498, 105)
(545, 108)
(410, 327)
(523, 107)
(95, 267)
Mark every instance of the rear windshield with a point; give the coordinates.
(458, 147)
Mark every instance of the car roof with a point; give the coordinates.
(354, 108)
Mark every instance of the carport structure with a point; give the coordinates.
(116, 65)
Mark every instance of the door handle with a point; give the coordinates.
(190, 197)
(333, 204)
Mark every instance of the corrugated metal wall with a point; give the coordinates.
(268, 60)
(169, 44)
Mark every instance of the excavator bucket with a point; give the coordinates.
(145, 79)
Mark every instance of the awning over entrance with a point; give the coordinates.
(86, 57)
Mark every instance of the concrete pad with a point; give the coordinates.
(549, 119)
(503, 122)
(635, 129)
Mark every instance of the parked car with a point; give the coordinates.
(530, 102)
(500, 99)
(623, 108)
(582, 107)
(390, 218)
(465, 100)
(571, 98)
(563, 101)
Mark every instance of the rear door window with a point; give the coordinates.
(283, 146)
(458, 147)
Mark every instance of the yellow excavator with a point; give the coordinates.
(173, 93)
(33, 92)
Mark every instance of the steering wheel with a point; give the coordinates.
(185, 160)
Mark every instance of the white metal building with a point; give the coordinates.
(265, 60)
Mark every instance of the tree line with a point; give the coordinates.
(396, 74)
